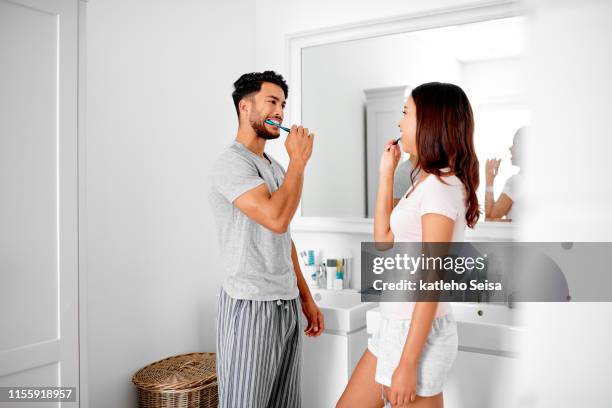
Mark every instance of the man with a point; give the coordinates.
(253, 201)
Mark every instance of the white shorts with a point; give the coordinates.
(436, 360)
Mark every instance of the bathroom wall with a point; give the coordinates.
(158, 82)
(567, 350)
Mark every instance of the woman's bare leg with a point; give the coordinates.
(362, 391)
(436, 401)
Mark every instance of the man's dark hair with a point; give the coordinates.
(251, 83)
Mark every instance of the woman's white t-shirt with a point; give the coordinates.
(429, 196)
(512, 188)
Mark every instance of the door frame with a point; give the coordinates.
(82, 203)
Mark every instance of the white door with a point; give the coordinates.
(38, 195)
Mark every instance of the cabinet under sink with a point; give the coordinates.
(329, 360)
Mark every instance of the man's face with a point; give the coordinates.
(268, 103)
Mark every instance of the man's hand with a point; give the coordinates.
(315, 319)
(275, 210)
(299, 144)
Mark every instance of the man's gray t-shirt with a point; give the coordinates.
(256, 261)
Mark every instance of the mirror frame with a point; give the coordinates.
(437, 18)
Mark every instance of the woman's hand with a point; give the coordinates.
(403, 385)
(314, 317)
(390, 157)
(491, 169)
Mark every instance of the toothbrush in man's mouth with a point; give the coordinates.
(273, 123)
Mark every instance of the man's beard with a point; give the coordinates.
(259, 127)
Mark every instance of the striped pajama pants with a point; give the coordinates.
(258, 353)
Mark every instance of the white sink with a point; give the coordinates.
(342, 309)
(484, 313)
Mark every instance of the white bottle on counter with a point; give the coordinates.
(331, 273)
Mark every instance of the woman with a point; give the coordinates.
(505, 205)
(416, 345)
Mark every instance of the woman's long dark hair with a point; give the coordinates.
(445, 138)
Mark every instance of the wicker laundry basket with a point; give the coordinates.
(185, 381)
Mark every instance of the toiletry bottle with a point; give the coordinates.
(339, 281)
(331, 273)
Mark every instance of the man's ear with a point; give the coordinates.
(245, 105)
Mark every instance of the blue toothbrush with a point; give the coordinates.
(273, 123)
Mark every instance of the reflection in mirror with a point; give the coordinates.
(353, 93)
(507, 204)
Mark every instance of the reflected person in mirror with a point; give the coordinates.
(506, 203)
(408, 359)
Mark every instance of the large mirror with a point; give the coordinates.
(352, 93)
